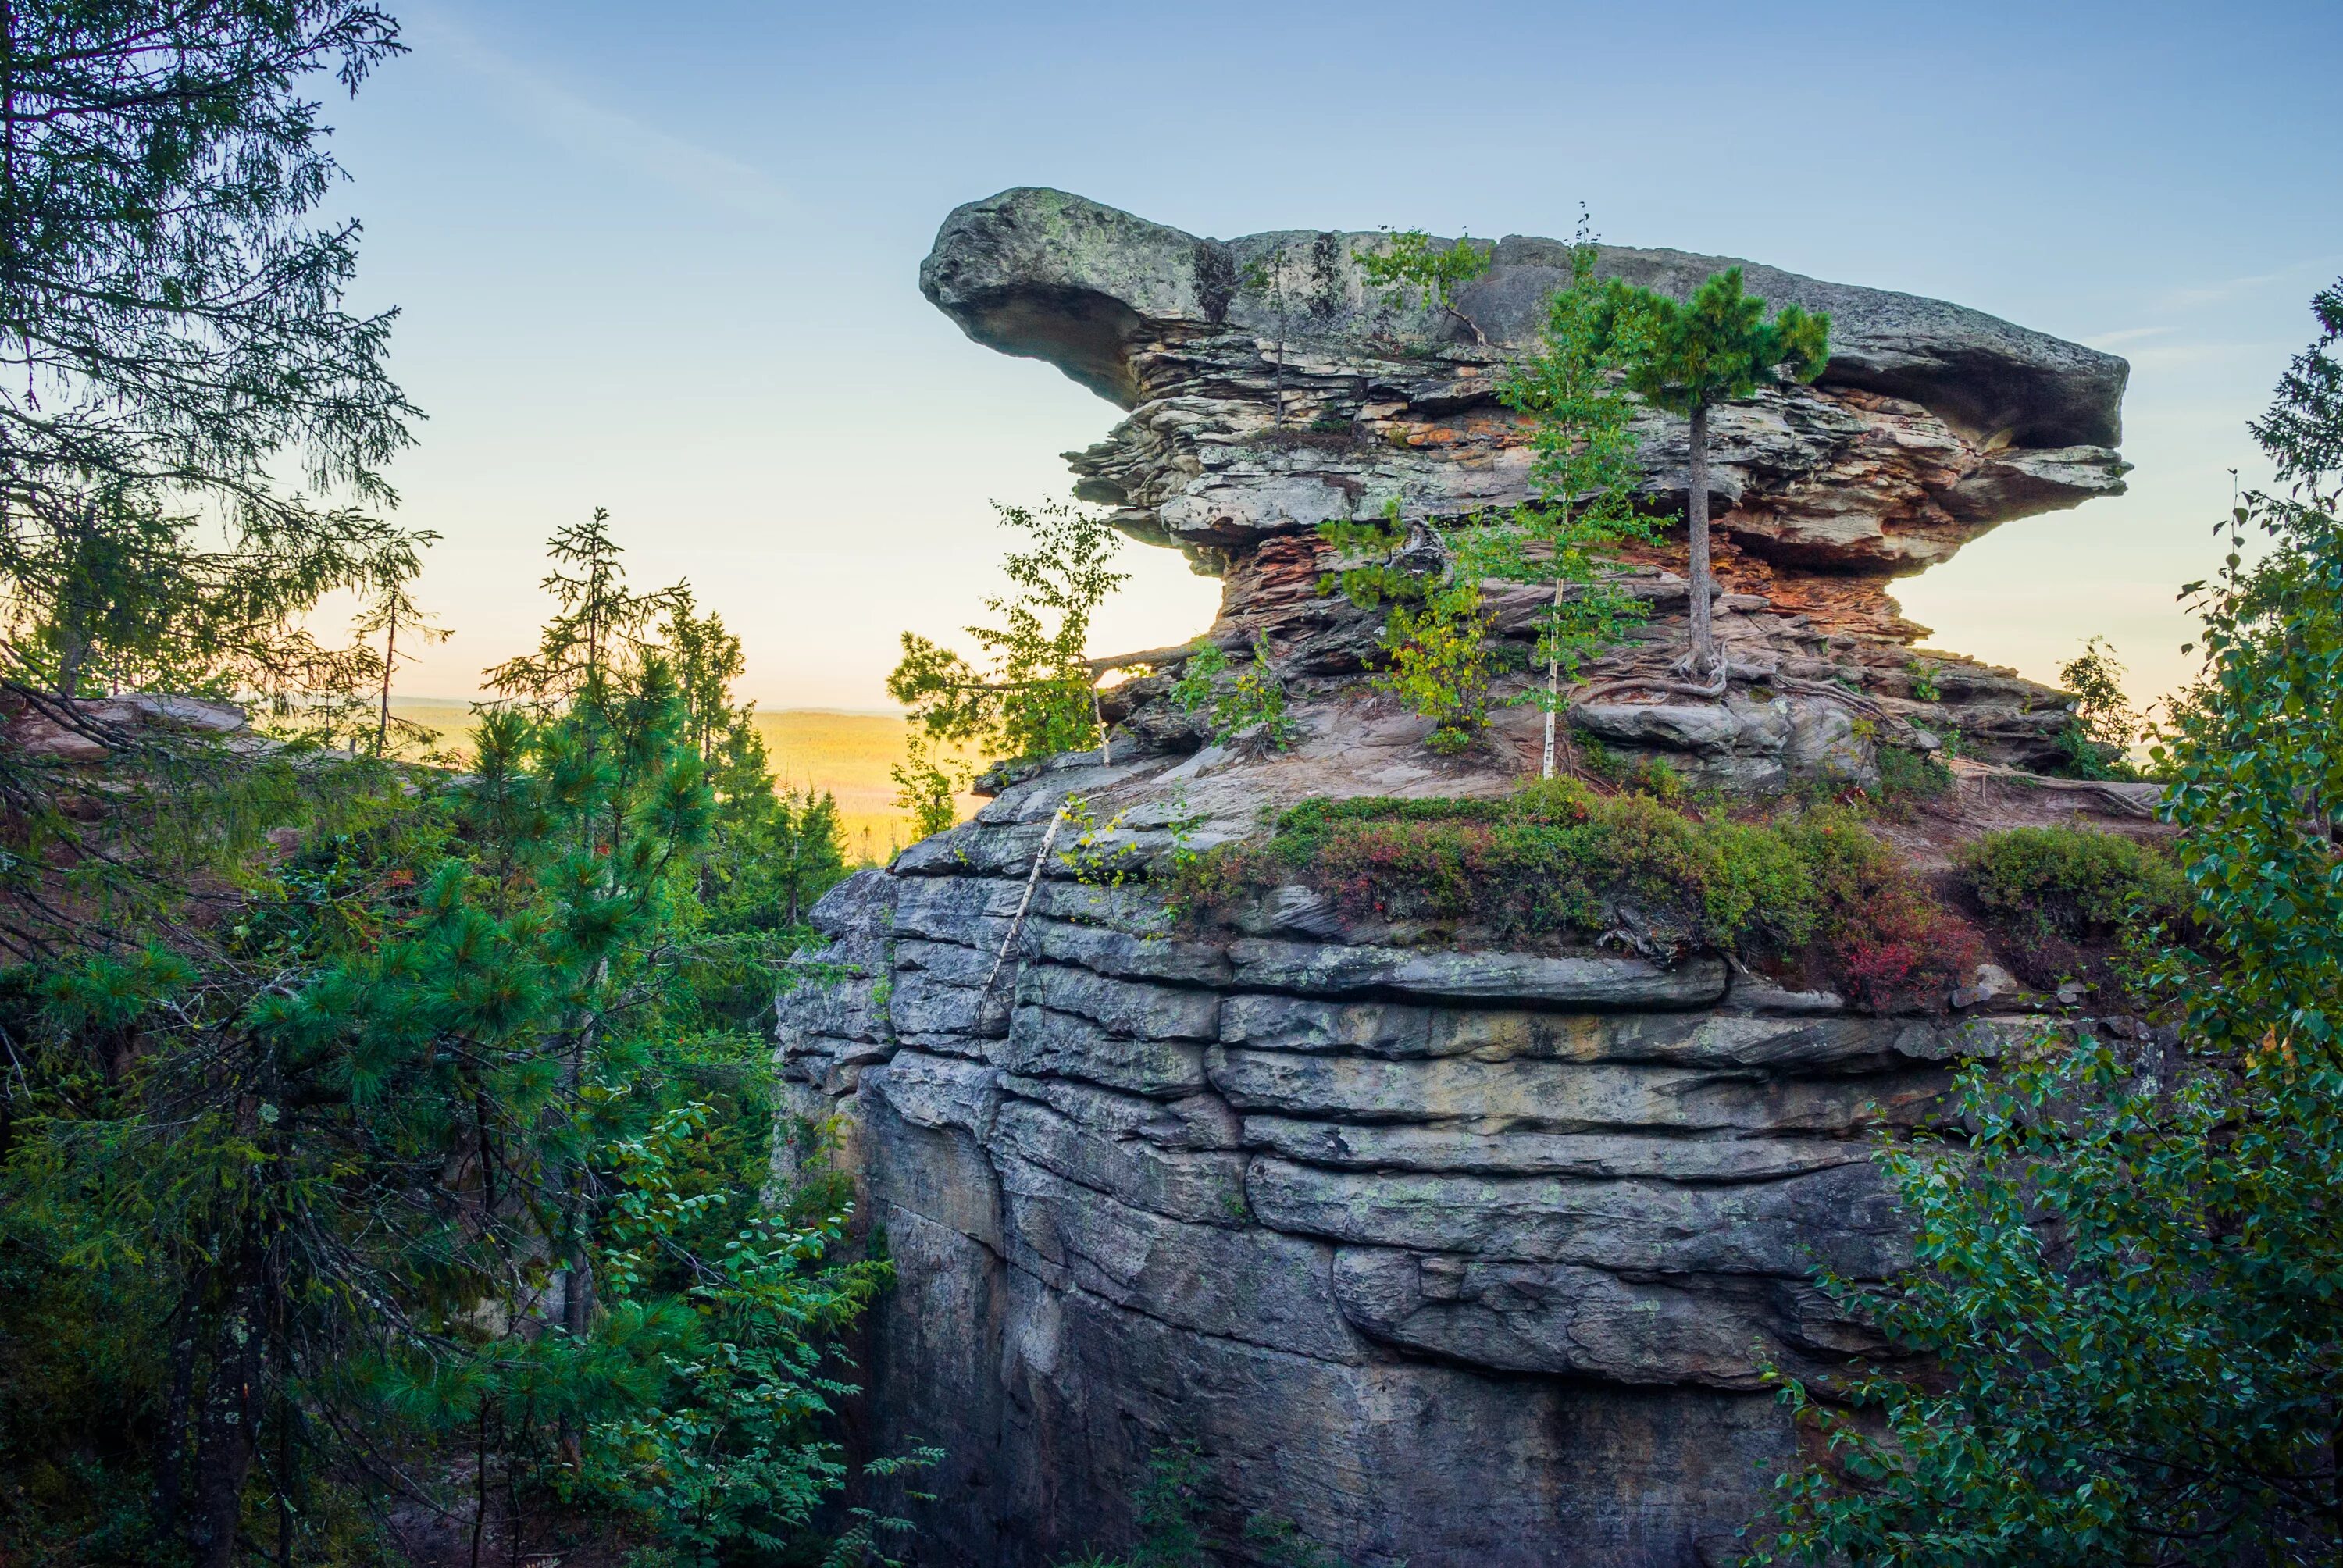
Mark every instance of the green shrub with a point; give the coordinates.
(1556, 860)
(1252, 700)
(1906, 775)
(2059, 893)
(1882, 932)
(1171, 1534)
(1646, 775)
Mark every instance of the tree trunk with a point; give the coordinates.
(171, 1449)
(72, 648)
(389, 657)
(230, 1412)
(1553, 685)
(1704, 578)
(568, 1186)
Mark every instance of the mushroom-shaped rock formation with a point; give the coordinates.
(1271, 388)
(1445, 1253)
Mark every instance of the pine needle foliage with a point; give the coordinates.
(1584, 476)
(441, 1158)
(1695, 354)
(172, 332)
(194, 431)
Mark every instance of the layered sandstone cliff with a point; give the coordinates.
(1446, 1255)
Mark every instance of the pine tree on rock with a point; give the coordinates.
(1715, 348)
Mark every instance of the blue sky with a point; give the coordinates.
(664, 258)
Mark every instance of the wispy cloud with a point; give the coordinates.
(2228, 288)
(2128, 335)
(576, 121)
(2171, 356)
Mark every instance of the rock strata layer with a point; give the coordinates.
(1270, 388)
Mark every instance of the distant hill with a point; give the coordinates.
(848, 754)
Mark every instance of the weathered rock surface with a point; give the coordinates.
(1271, 388)
(1385, 1231)
(89, 729)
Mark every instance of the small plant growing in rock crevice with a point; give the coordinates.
(1095, 860)
(1905, 775)
(1436, 635)
(1252, 701)
(1412, 263)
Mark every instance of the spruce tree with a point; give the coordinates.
(391, 609)
(1696, 354)
(194, 433)
(707, 660)
(173, 337)
(444, 1135)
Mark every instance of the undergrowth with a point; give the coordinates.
(1812, 896)
(1818, 890)
(2063, 897)
(1171, 1534)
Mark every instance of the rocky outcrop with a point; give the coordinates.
(1448, 1256)
(1270, 389)
(50, 730)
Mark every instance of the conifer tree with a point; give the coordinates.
(194, 431)
(1696, 354)
(601, 624)
(453, 1138)
(1584, 476)
(173, 339)
(391, 609)
(707, 660)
